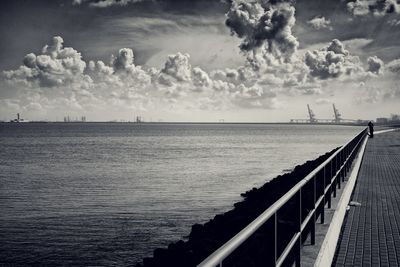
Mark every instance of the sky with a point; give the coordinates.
(199, 60)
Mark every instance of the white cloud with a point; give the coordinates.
(332, 61)
(56, 66)
(178, 67)
(124, 59)
(320, 23)
(201, 78)
(59, 79)
(374, 7)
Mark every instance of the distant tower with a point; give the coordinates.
(18, 118)
(311, 115)
(338, 116)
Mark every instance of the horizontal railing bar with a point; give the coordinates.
(319, 200)
(307, 219)
(320, 167)
(338, 172)
(287, 250)
(225, 250)
(344, 163)
(327, 188)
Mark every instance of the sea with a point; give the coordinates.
(108, 194)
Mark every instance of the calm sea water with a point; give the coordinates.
(108, 194)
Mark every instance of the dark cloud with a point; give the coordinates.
(374, 7)
(266, 25)
(151, 6)
(394, 66)
(105, 3)
(375, 65)
(268, 33)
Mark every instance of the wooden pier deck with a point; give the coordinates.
(370, 234)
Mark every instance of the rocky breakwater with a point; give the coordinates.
(204, 239)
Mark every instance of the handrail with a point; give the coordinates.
(346, 153)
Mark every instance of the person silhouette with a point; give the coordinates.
(371, 129)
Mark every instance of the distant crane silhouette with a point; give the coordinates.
(338, 116)
(311, 115)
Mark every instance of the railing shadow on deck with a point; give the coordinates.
(275, 237)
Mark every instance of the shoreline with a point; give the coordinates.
(205, 238)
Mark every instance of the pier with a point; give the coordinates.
(370, 234)
(346, 212)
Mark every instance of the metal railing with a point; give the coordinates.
(309, 197)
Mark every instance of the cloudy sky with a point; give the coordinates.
(199, 60)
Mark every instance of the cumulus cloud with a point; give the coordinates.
(320, 23)
(178, 67)
(124, 59)
(394, 66)
(375, 65)
(60, 78)
(57, 65)
(201, 78)
(264, 26)
(374, 7)
(332, 61)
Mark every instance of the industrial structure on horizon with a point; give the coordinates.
(138, 119)
(336, 120)
(18, 119)
(69, 119)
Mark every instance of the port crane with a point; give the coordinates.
(311, 115)
(338, 116)
(312, 118)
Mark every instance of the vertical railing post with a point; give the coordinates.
(330, 185)
(334, 187)
(298, 253)
(346, 159)
(298, 249)
(275, 237)
(300, 211)
(334, 175)
(343, 161)
(323, 199)
(338, 172)
(314, 211)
